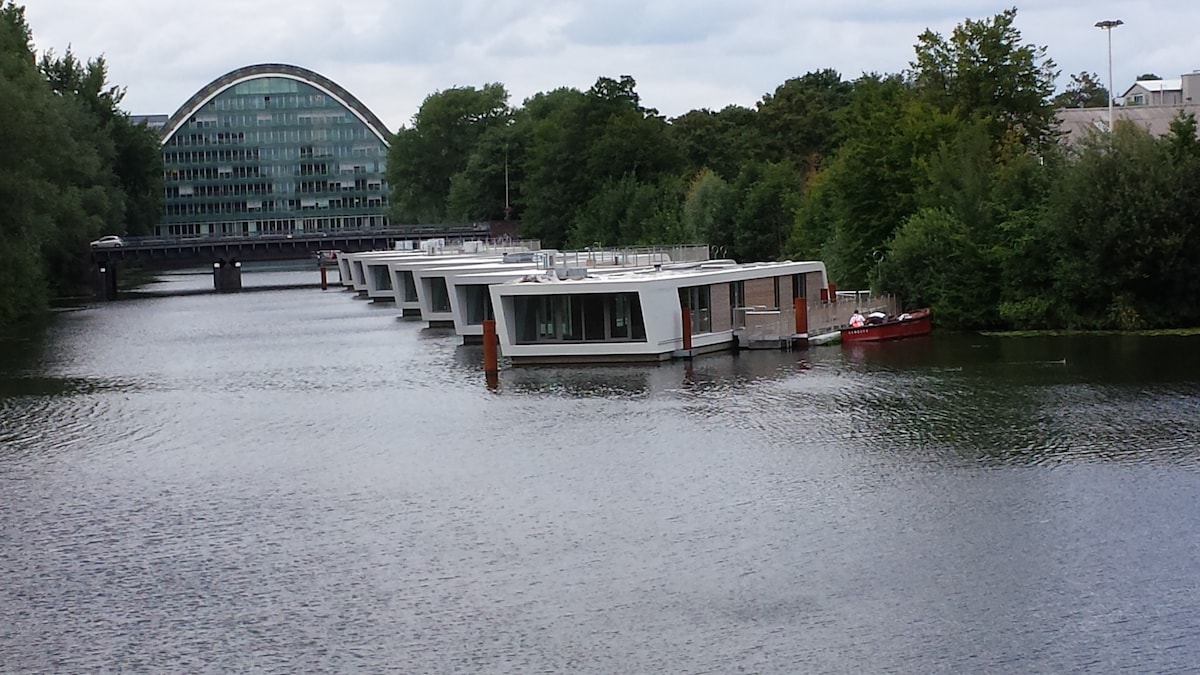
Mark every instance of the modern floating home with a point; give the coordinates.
(436, 291)
(370, 272)
(470, 301)
(657, 313)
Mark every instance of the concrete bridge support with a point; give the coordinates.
(106, 281)
(227, 276)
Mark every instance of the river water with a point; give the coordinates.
(296, 481)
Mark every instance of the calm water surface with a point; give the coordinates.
(296, 481)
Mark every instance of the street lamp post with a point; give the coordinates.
(1107, 26)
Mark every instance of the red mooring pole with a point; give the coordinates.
(324, 278)
(490, 365)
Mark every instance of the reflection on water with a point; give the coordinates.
(296, 481)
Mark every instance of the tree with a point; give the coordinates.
(708, 212)
(869, 188)
(27, 134)
(1084, 91)
(800, 119)
(768, 195)
(720, 141)
(580, 142)
(932, 262)
(984, 72)
(424, 158)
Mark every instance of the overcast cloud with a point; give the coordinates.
(684, 54)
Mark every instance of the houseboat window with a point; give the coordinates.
(583, 317)
(798, 290)
(439, 298)
(569, 313)
(478, 304)
(737, 299)
(592, 306)
(383, 280)
(410, 286)
(698, 300)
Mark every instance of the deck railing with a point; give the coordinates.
(767, 325)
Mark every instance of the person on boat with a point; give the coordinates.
(904, 317)
(857, 320)
(876, 317)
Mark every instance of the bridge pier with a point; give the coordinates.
(227, 276)
(106, 281)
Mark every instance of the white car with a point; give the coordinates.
(111, 241)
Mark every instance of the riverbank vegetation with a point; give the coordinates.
(73, 167)
(947, 184)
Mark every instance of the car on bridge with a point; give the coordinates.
(110, 241)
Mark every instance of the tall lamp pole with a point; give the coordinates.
(1107, 26)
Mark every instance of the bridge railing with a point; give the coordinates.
(407, 231)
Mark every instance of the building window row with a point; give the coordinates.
(186, 191)
(180, 209)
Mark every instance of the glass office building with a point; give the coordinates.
(273, 149)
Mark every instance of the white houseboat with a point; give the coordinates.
(420, 284)
(641, 315)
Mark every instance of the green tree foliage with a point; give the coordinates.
(768, 195)
(718, 141)
(1084, 91)
(800, 120)
(984, 72)
(708, 212)
(424, 159)
(72, 168)
(1124, 214)
(581, 141)
(27, 129)
(628, 212)
(869, 188)
(932, 262)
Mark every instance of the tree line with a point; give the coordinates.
(947, 184)
(73, 167)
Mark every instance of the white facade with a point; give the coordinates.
(635, 315)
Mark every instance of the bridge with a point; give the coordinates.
(226, 253)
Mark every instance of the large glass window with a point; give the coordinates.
(439, 298)
(582, 317)
(478, 304)
(383, 280)
(698, 299)
(408, 284)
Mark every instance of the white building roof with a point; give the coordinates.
(1157, 85)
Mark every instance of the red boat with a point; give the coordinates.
(909, 324)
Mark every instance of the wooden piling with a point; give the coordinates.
(490, 361)
(324, 278)
(687, 329)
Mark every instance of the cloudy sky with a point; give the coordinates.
(684, 54)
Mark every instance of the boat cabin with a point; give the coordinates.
(651, 314)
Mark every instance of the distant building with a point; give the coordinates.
(1150, 104)
(273, 148)
(1153, 92)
